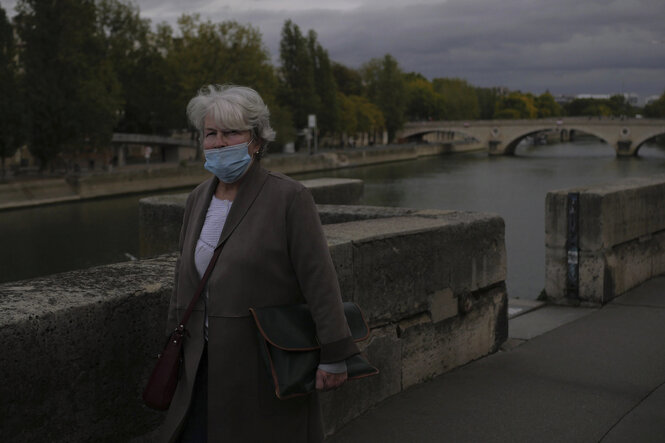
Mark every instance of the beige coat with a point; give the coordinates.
(274, 253)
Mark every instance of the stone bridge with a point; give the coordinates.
(501, 137)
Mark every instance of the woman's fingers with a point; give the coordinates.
(326, 381)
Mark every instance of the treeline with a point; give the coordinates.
(72, 72)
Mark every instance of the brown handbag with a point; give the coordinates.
(158, 393)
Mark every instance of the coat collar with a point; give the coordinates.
(249, 189)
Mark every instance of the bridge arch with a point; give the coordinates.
(515, 139)
(646, 137)
(418, 134)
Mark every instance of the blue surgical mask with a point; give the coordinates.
(228, 163)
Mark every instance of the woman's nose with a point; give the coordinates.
(221, 140)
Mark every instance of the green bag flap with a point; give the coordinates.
(291, 327)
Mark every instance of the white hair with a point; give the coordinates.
(232, 107)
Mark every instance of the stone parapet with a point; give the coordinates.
(81, 344)
(621, 239)
(160, 216)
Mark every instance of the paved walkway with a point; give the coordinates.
(565, 375)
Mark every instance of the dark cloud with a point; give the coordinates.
(566, 46)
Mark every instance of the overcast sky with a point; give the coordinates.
(564, 46)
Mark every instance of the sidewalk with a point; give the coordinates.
(565, 375)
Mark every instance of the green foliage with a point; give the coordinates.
(358, 115)
(297, 86)
(615, 106)
(516, 105)
(423, 103)
(72, 95)
(487, 98)
(328, 113)
(349, 81)
(148, 92)
(546, 106)
(208, 53)
(386, 87)
(656, 109)
(11, 134)
(461, 101)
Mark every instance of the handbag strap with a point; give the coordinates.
(199, 290)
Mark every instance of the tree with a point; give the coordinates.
(11, 134)
(423, 103)
(328, 112)
(656, 109)
(386, 88)
(208, 53)
(297, 83)
(487, 98)
(546, 106)
(148, 92)
(73, 97)
(588, 107)
(349, 81)
(516, 105)
(461, 102)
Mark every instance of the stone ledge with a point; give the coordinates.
(83, 343)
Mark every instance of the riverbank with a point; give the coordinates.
(134, 179)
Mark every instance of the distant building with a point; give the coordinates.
(563, 99)
(593, 96)
(650, 99)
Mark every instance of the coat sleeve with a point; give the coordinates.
(172, 317)
(311, 260)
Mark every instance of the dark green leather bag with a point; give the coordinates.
(290, 347)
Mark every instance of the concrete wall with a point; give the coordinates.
(160, 216)
(621, 239)
(80, 345)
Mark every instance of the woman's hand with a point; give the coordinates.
(326, 381)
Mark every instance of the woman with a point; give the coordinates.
(274, 253)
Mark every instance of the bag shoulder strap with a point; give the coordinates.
(201, 286)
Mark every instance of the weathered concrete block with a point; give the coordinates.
(430, 349)
(443, 305)
(331, 214)
(416, 256)
(82, 344)
(335, 190)
(619, 238)
(342, 256)
(160, 218)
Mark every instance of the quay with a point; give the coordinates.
(141, 178)
(564, 375)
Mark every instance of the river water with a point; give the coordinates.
(50, 239)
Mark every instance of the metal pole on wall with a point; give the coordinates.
(311, 124)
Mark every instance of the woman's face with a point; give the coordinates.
(215, 136)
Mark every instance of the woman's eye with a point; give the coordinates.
(210, 134)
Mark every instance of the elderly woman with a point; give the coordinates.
(274, 253)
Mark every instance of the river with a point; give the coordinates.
(45, 240)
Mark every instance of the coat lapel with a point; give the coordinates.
(249, 190)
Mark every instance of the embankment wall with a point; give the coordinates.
(79, 346)
(163, 176)
(621, 232)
